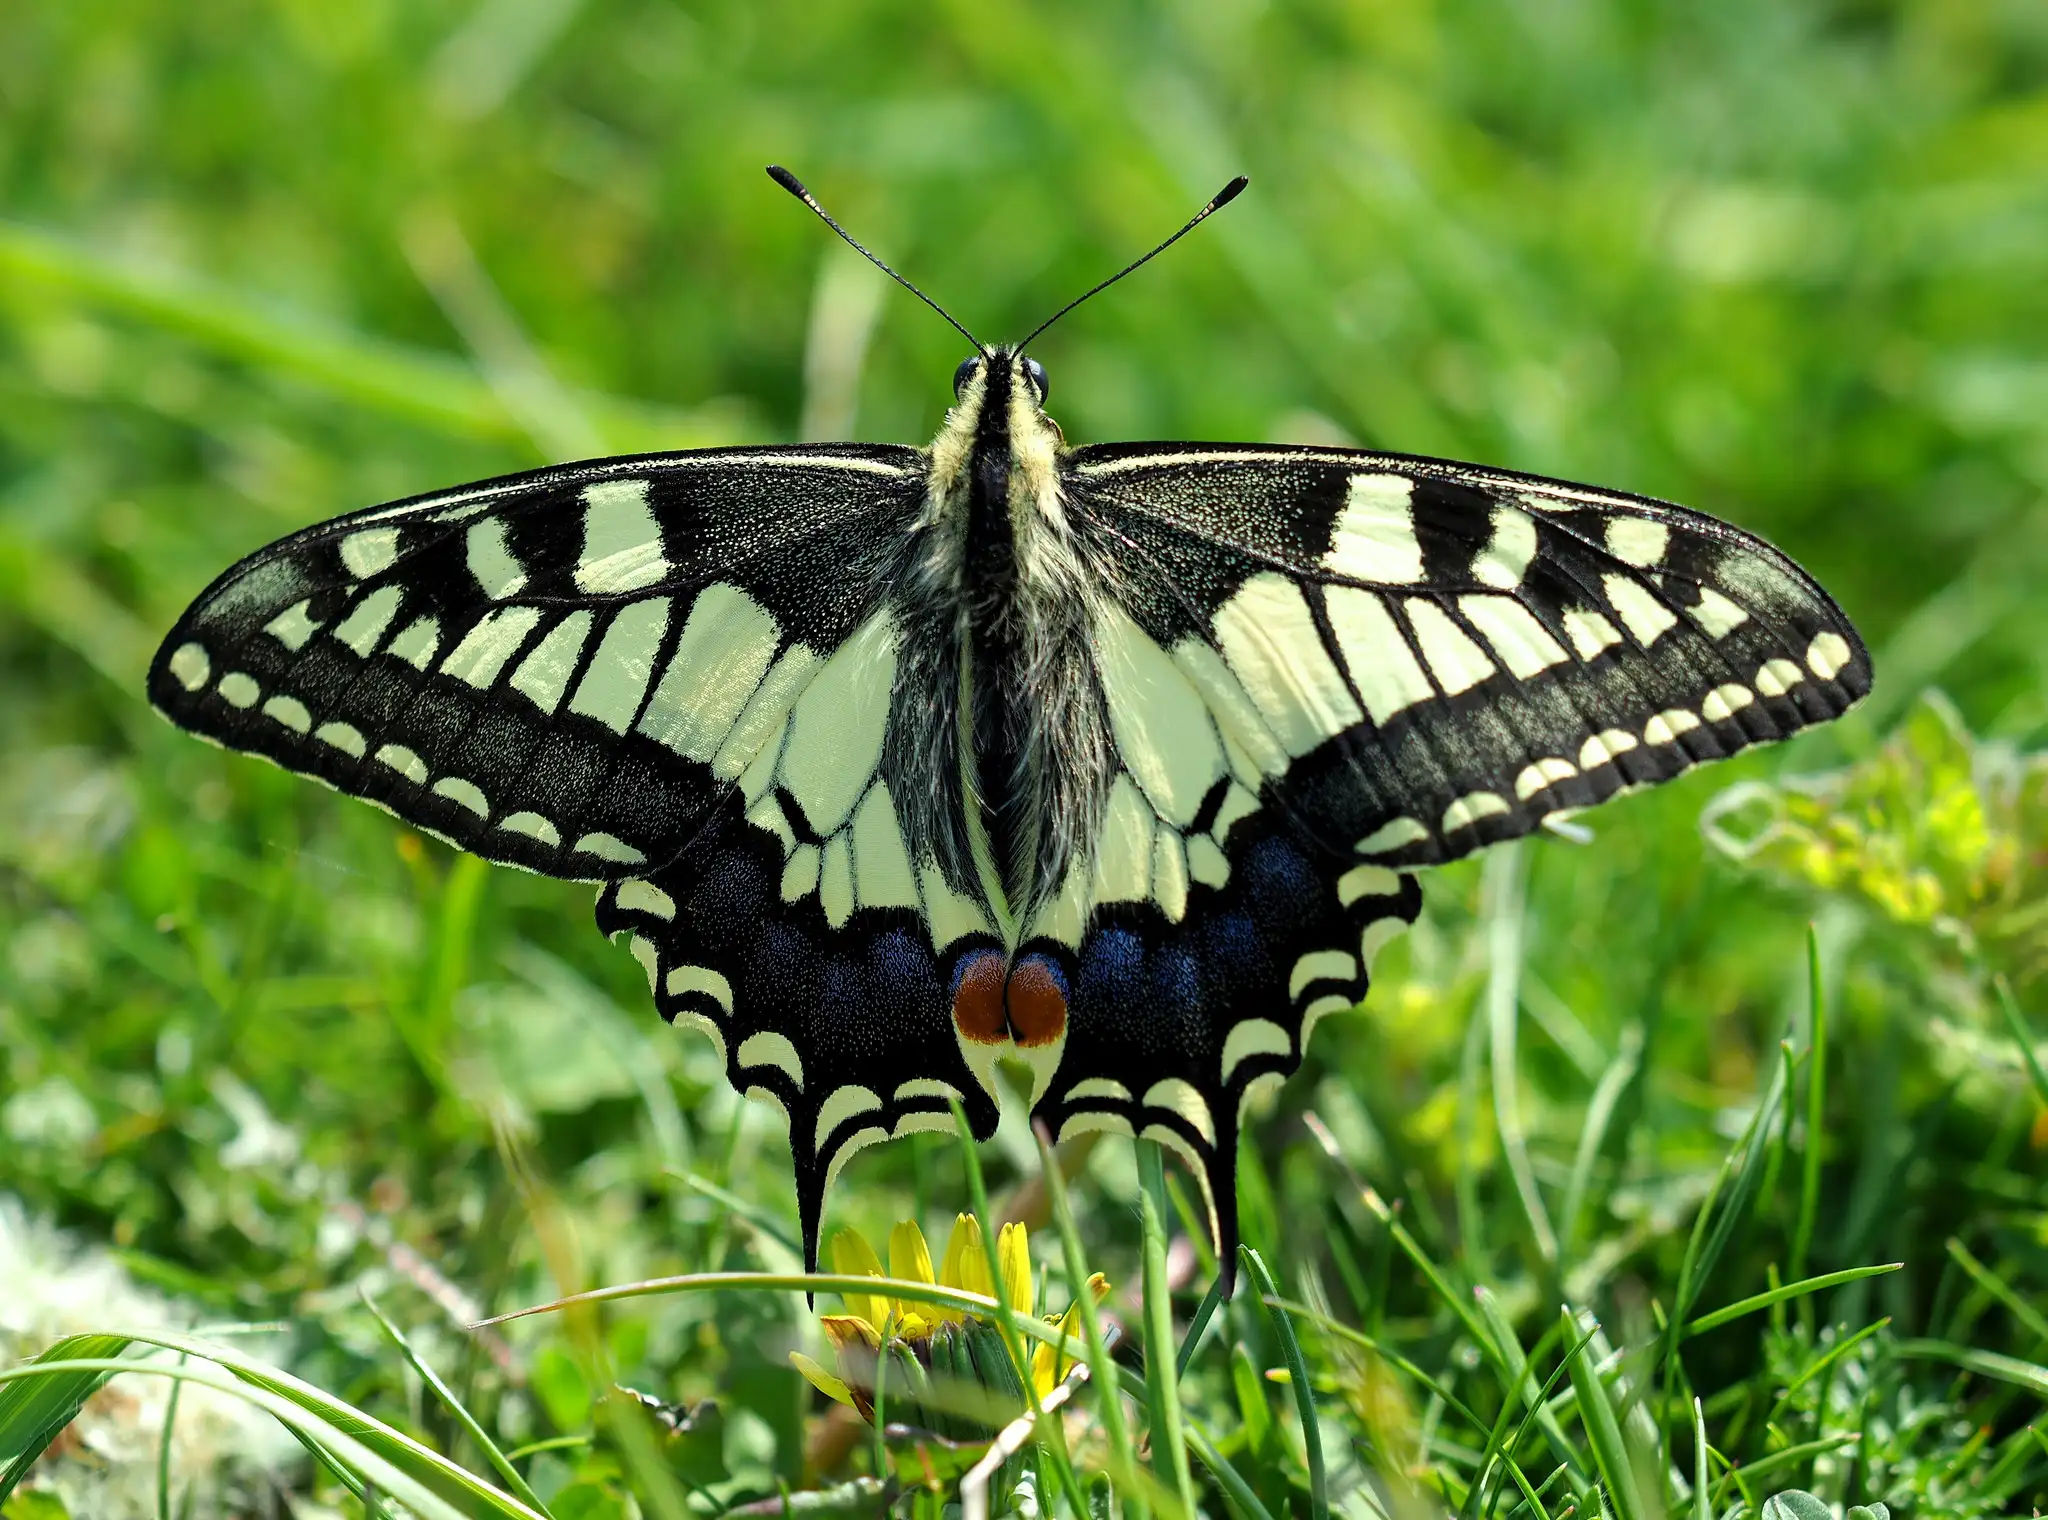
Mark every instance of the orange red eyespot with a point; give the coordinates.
(1037, 1002)
(978, 998)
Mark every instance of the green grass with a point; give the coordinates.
(261, 264)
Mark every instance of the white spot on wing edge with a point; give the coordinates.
(467, 793)
(1667, 725)
(1542, 774)
(1178, 1096)
(190, 666)
(767, 1048)
(239, 689)
(343, 736)
(1825, 656)
(533, 826)
(404, 761)
(1367, 881)
(682, 979)
(1253, 1037)
(638, 896)
(841, 1104)
(289, 711)
(1604, 746)
(1723, 702)
(1776, 677)
(1472, 807)
(607, 847)
(1321, 965)
(1096, 1119)
(1392, 835)
(1098, 1090)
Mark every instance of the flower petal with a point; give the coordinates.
(910, 1258)
(851, 1329)
(852, 1256)
(966, 1264)
(1013, 1254)
(829, 1384)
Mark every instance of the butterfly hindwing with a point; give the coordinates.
(561, 670)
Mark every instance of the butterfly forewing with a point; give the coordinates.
(1423, 657)
(562, 670)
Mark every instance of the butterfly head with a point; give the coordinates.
(1023, 370)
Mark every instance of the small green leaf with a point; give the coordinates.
(1868, 1512)
(1796, 1504)
(34, 1504)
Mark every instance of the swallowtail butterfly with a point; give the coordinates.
(895, 763)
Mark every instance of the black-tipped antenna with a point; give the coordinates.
(1223, 198)
(795, 187)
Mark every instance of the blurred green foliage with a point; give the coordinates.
(261, 263)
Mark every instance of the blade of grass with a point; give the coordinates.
(500, 1463)
(1102, 1371)
(1995, 1285)
(1297, 1372)
(2006, 1369)
(1533, 1398)
(1603, 1427)
(1169, 1439)
(2023, 1036)
(388, 1477)
(1702, 1506)
(1503, 886)
(1204, 1312)
(419, 1463)
(1600, 1110)
(33, 1413)
(1816, 1106)
(1777, 1461)
(761, 1219)
(1049, 1434)
(163, 1446)
(1779, 1295)
(1237, 1493)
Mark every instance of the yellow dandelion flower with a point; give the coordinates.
(949, 1357)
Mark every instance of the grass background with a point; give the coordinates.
(261, 263)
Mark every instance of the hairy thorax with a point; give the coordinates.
(1000, 595)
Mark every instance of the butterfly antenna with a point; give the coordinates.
(795, 187)
(1224, 197)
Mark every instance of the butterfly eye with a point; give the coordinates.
(1035, 373)
(964, 374)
